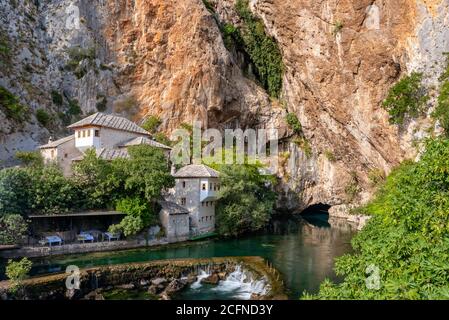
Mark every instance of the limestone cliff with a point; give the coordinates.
(169, 58)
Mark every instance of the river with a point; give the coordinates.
(302, 249)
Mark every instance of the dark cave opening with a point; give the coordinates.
(319, 208)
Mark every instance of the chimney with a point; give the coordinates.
(50, 139)
(173, 169)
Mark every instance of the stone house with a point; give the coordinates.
(175, 220)
(196, 189)
(108, 134)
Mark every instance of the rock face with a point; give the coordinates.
(168, 58)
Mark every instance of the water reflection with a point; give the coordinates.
(302, 249)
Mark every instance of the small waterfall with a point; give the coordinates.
(239, 284)
(202, 275)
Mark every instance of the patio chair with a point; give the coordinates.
(53, 240)
(85, 236)
(112, 236)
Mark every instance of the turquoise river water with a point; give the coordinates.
(302, 249)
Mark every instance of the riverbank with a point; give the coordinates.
(162, 278)
(342, 212)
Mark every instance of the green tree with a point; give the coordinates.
(12, 106)
(140, 215)
(407, 98)
(30, 158)
(94, 178)
(12, 228)
(15, 191)
(246, 199)
(151, 124)
(52, 193)
(17, 271)
(43, 117)
(407, 237)
(293, 123)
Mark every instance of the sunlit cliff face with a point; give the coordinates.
(168, 58)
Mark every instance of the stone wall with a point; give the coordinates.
(54, 286)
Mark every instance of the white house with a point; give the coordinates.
(108, 134)
(196, 189)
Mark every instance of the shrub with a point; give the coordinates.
(441, 112)
(304, 144)
(209, 6)
(151, 124)
(74, 108)
(30, 158)
(330, 155)
(102, 102)
(17, 271)
(407, 98)
(162, 138)
(262, 50)
(12, 228)
(338, 26)
(43, 117)
(352, 188)
(293, 123)
(12, 107)
(139, 215)
(407, 237)
(56, 97)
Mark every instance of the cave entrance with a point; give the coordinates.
(319, 208)
(317, 215)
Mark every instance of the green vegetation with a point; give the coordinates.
(330, 155)
(102, 102)
(17, 271)
(43, 117)
(74, 108)
(376, 176)
(30, 158)
(246, 198)
(261, 49)
(56, 97)
(162, 138)
(338, 26)
(231, 36)
(139, 215)
(12, 228)
(95, 184)
(352, 188)
(407, 237)
(304, 144)
(5, 49)
(293, 123)
(12, 107)
(209, 6)
(441, 112)
(76, 56)
(407, 98)
(151, 124)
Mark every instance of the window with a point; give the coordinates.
(204, 186)
(215, 187)
(183, 184)
(88, 133)
(84, 133)
(183, 201)
(207, 203)
(79, 134)
(97, 133)
(210, 186)
(65, 155)
(202, 204)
